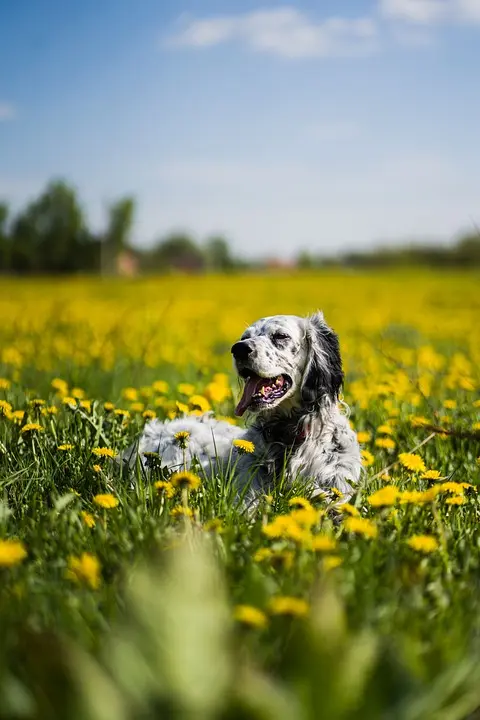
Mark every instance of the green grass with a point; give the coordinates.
(390, 633)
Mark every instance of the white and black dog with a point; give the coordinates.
(292, 373)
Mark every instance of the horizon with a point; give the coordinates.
(283, 127)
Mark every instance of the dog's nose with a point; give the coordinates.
(241, 350)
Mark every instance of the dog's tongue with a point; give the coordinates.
(250, 388)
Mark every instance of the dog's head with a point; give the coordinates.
(289, 361)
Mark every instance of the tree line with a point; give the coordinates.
(50, 235)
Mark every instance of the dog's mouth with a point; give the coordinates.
(261, 392)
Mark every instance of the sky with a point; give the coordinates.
(325, 126)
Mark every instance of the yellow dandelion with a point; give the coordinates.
(185, 479)
(419, 421)
(130, 394)
(284, 526)
(385, 429)
(36, 402)
(181, 438)
(412, 462)
(431, 475)
(363, 436)
(160, 386)
(12, 552)
(103, 452)
(70, 401)
(349, 509)
(251, 616)
(186, 389)
(456, 500)
(61, 386)
(88, 519)
(5, 384)
(418, 497)
(108, 406)
(32, 427)
(198, 402)
(454, 487)
(450, 404)
(262, 554)
(361, 526)
(287, 605)
(476, 426)
(323, 543)
(423, 543)
(65, 448)
(300, 502)
(106, 501)
(384, 497)
(137, 407)
(181, 408)
(97, 468)
(120, 412)
(181, 511)
(306, 517)
(164, 487)
(77, 393)
(385, 443)
(50, 410)
(148, 414)
(367, 458)
(5, 408)
(243, 446)
(214, 525)
(84, 569)
(330, 562)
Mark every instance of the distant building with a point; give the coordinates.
(126, 264)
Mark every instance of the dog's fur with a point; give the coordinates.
(302, 435)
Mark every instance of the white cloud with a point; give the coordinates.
(7, 111)
(282, 31)
(431, 12)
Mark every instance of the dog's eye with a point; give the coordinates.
(280, 336)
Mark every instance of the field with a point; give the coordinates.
(152, 600)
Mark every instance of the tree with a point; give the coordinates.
(118, 234)
(4, 244)
(217, 255)
(50, 234)
(177, 252)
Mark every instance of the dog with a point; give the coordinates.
(292, 376)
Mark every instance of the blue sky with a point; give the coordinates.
(320, 125)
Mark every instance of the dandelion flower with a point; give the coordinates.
(65, 448)
(367, 458)
(181, 511)
(130, 394)
(84, 569)
(12, 552)
(263, 554)
(103, 452)
(330, 562)
(385, 443)
(70, 401)
(181, 438)
(349, 509)
(214, 525)
(456, 500)
(186, 389)
(106, 501)
(32, 427)
(97, 468)
(431, 475)
(363, 436)
(323, 543)
(162, 486)
(284, 526)
(251, 616)
(185, 479)
(287, 605)
(450, 404)
(88, 519)
(384, 497)
(160, 386)
(5, 408)
(361, 526)
(412, 462)
(423, 543)
(148, 414)
(385, 429)
(244, 446)
(5, 384)
(108, 406)
(36, 402)
(300, 502)
(198, 402)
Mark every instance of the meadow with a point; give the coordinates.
(160, 599)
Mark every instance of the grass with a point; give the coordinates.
(153, 601)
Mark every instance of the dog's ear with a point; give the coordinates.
(323, 375)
